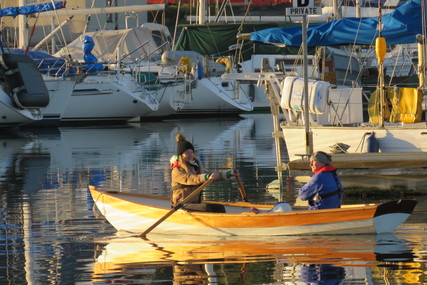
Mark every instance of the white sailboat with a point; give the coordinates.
(59, 91)
(135, 43)
(23, 93)
(336, 124)
(109, 95)
(193, 87)
(278, 62)
(24, 96)
(205, 91)
(100, 96)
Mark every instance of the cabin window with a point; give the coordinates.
(158, 37)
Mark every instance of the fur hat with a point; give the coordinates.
(323, 157)
(182, 145)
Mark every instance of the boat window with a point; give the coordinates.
(158, 37)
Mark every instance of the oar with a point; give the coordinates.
(241, 189)
(177, 207)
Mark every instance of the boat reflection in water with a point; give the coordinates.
(110, 153)
(322, 259)
(324, 273)
(47, 211)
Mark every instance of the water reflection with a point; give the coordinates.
(316, 259)
(322, 274)
(135, 158)
(46, 221)
(49, 233)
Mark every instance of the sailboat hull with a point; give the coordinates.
(390, 139)
(12, 116)
(105, 98)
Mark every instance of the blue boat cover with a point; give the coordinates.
(47, 64)
(399, 27)
(91, 60)
(31, 9)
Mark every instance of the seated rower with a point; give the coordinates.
(324, 189)
(187, 175)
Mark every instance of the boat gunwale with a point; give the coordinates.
(345, 208)
(352, 218)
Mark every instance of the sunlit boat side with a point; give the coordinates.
(136, 212)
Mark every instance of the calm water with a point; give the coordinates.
(51, 233)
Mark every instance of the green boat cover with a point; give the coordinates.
(216, 39)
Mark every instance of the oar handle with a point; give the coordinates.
(177, 207)
(241, 189)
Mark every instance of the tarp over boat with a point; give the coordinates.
(216, 39)
(399, 27)
(134, 43)
(31, 9)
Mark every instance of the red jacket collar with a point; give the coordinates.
(327, 168)
(174, 164)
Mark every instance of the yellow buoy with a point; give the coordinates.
(380, 49)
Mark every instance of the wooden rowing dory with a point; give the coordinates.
(136, 212)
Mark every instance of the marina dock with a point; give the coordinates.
(380, 163)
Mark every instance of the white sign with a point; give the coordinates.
(302, 8)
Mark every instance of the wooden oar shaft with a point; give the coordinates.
(177, 207)
(241, 189)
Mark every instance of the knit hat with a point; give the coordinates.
(182, 145)
(323, 157)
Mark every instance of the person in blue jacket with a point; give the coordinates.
(324, 189)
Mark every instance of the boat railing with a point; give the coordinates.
(56, 69)
(61, 68)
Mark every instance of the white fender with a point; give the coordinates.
(292, 96)
(318, 97)
(285, 100)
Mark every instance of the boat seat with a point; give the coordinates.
(24, 81)
(203, 207)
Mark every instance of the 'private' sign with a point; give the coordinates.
(302, 8)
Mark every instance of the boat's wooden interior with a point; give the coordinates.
(230, 207)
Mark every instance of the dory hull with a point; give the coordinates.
(135, 213)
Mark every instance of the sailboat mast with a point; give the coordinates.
(421, 61)
(202, 12)
(421, 42)
(357, 9)
(380, 51)
(22, 28)
(308, 135)
(337, 9)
